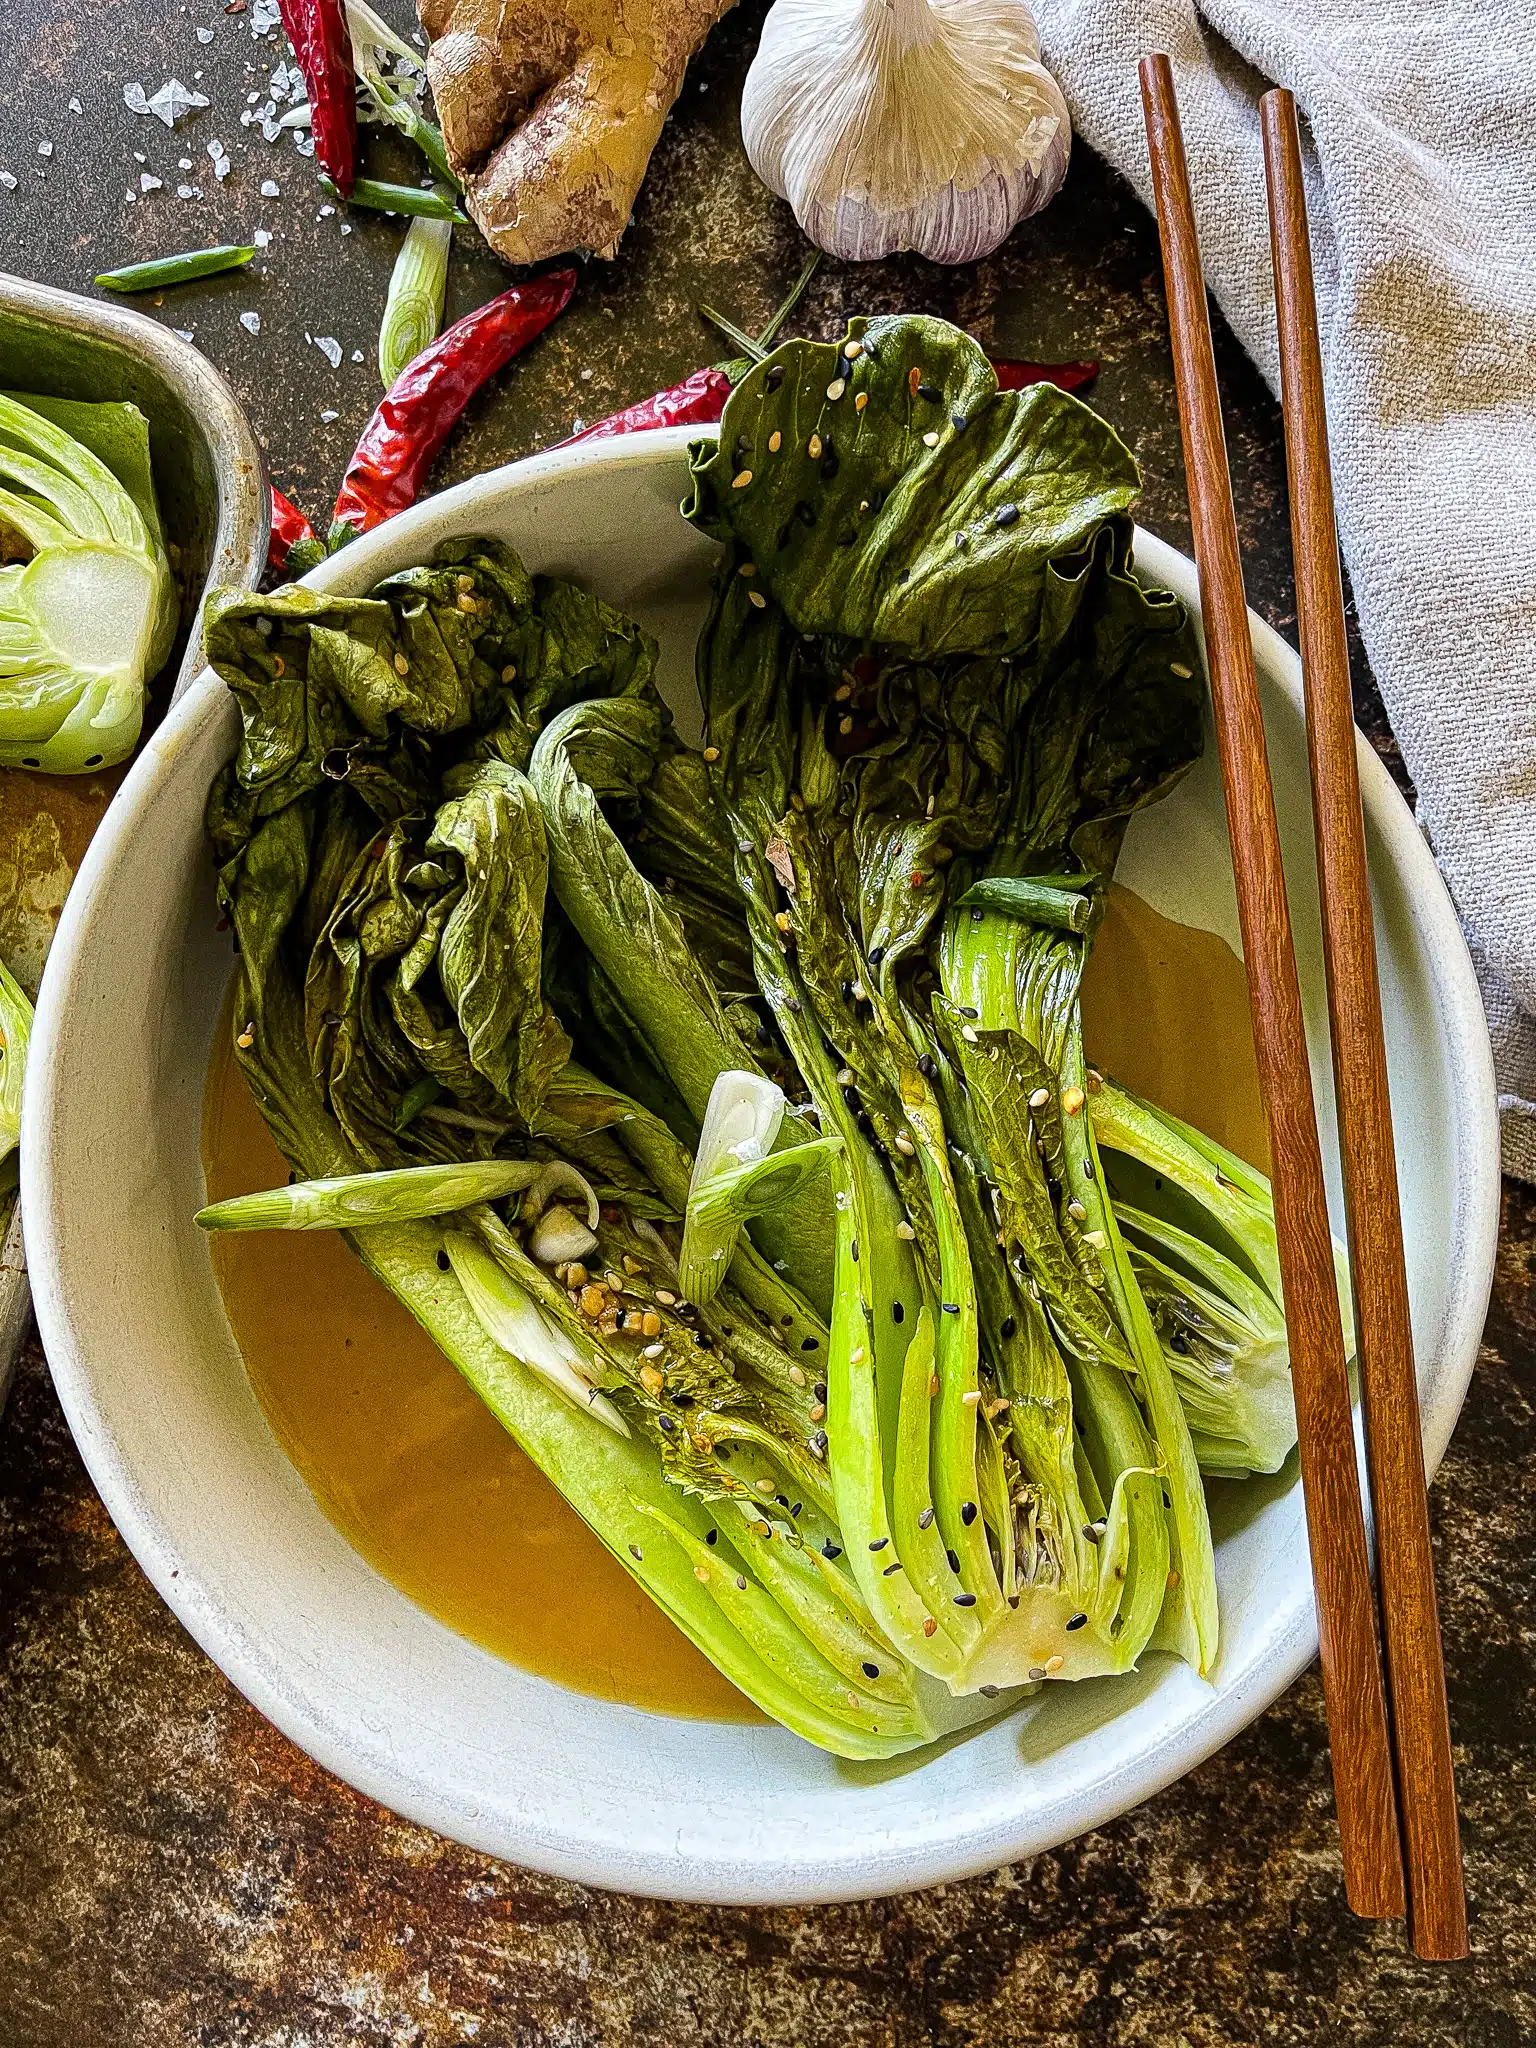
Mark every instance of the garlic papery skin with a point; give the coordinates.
(928, 125)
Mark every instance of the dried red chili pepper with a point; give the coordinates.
(418, 412)
(1070, 376)
(697, 402)
(322, 43)
(289, 529)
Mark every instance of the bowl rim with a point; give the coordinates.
(928, 1855)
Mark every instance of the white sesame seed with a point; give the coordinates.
(836, 388)
(930, 440)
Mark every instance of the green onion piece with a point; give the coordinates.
(15, 1034)
(413, 309)
(737, 1175)
(403, 113)
(182, 269)
(1054, 900)
(382, 198)
(397, 1195)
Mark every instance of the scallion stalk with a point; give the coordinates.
(380, 197)
(413, 309)
(351, 1201)
(182, 269)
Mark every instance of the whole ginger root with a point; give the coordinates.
(551, 108)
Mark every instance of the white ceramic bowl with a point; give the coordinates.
(369, 1683)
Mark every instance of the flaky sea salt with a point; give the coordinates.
(205, 35)
(169, 104)
(8, 180)
(330, 348)
(148, 182)
(45, 149)
(251, 322)
(328, 415)
(75, 107)
(270, 188)
(261, 237)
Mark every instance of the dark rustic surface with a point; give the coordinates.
(171, 1870)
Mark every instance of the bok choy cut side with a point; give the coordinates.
(88, 608)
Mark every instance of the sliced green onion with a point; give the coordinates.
(513, 1320)
(15, 1035)
(1054, 900)
(182, 269)
(402, 112)
(737, 1175)
(413, 309)
(382, 198)
(399, 1194)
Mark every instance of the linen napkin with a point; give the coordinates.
(1419, 137)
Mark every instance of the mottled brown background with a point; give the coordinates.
(172, 1871)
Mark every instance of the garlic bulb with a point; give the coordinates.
(905, 124)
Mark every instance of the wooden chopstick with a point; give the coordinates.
(1421, 1732)
(1346, 1622)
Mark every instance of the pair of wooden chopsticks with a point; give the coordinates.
(1388, 1818)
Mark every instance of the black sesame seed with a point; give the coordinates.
(880, 1542)
(896, 1567)
(819, 1443)
(959, 422)
(845, 989)
(954, 1562)
(854, 1248)
(1180, 1343)
(1087, 1168)
(967, 1512)
(967, 1011)
(876, 955)
(871, 1670)
(666, 1424)
(681, 1400)
(928, 1066)
(794, 1513)
(711, 1535)
(925, 1519)
(831, 1550)
(853, 1099)
(931, 392)
(31, 761)
(1006, 515)
(704, 1341)
(950, 1308)
(443, 1262)
(774, 378)
(1090, 1532)
(988, 1692)
(810, 1344)
(898, 1313)
(820, 1389)
(741, 1584)
(904, 576)
(1077, 1621)
(783, 1500)
(1009, 1327)
(965, 1599)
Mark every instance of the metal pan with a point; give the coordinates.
(211, 481)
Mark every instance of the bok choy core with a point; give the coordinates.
(725, 1117)
(87, 606)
